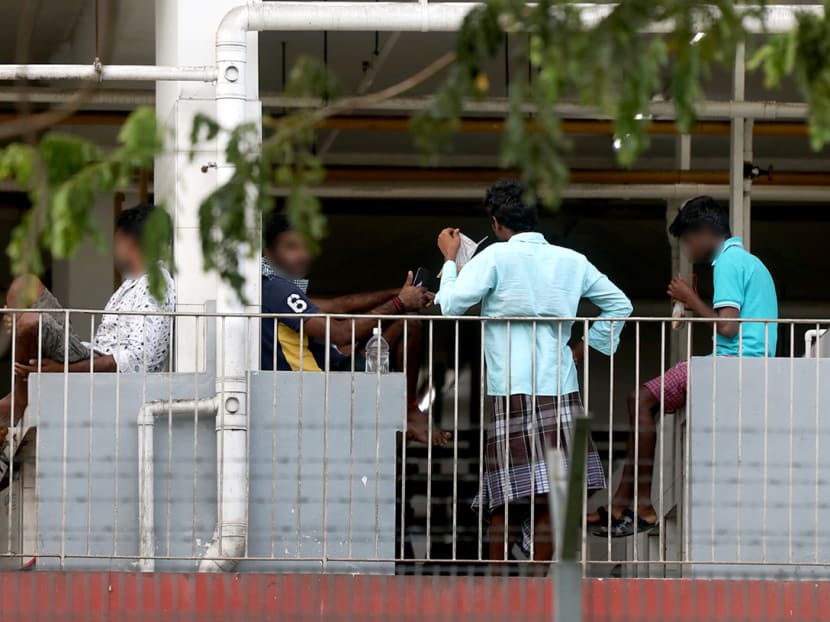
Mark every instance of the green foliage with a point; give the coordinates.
(62, 175)
(803, 54)
(610, 63)
(285, 160)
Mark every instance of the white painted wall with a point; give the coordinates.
(186, 35)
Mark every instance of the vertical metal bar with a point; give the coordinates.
(714, 440)
(637, 390)
(481, 446)
(818, 502)
(687, 484)
(64, 460)
(738, 492)
(661, 508)
(635, 431)
(274, 367)
(377, 449)
(220, 365)
(352, 380)
(455, 449)
(37, 423)
(249, 358)
(533, 440)
(168, 508)
(402, 553)
(89, 467)
(196, 366)
(10, 429)
(327, 372)
(792, 457)
(506, 449)
(430, 346)
(117, 470)
(609, 498)
(300, 380)
(764, 482)
(586, 327)
(557, 553)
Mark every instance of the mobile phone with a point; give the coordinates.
(424, 278)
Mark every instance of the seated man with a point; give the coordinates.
(285, 263)
(125, 343)
(743, 289)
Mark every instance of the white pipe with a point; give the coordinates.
(783, 111)
(231, 534)
(431, 17)
(146, 494)
(99, 73)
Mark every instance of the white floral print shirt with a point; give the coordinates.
(137, 342)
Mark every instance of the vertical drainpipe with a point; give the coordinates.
(233, 360)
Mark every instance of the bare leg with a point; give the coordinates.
(417, 422)
(641, 414)
(499, 531)
(542, 531)
(26, 340)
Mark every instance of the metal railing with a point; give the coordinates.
(332, 483)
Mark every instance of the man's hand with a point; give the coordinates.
(449, 241)
(413, 298)
(681, 291)
(578, 351)
(47, 366)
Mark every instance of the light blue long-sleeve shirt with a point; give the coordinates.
(527, 277)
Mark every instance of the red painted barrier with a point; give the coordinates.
(167, 597)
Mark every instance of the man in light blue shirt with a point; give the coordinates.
(743, 289)
(531, 375)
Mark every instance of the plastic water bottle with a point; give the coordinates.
(377, 350)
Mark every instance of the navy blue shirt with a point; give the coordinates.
(280, 295)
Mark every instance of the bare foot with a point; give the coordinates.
(417, 429)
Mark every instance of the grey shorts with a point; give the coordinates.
(53, 333)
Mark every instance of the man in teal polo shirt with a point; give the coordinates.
(743, 288)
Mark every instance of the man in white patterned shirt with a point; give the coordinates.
(124, 343)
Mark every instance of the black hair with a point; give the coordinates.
(701, 212)
(276, 224)
(131, 221)
(505, 202)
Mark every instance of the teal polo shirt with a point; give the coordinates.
(743, 282)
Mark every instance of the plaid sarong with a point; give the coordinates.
(515, 454)
(518, 463)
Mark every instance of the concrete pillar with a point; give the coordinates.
(680, 264)
(740, 151)
(186, 35)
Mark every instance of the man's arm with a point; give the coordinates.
(341, 332)
(459, 292)
(355, 303)
(48, 366)
(604, 336)
(679, 290)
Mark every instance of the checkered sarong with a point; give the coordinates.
(515, 456)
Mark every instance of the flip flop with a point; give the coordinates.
(603, 517)
(625, 526)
